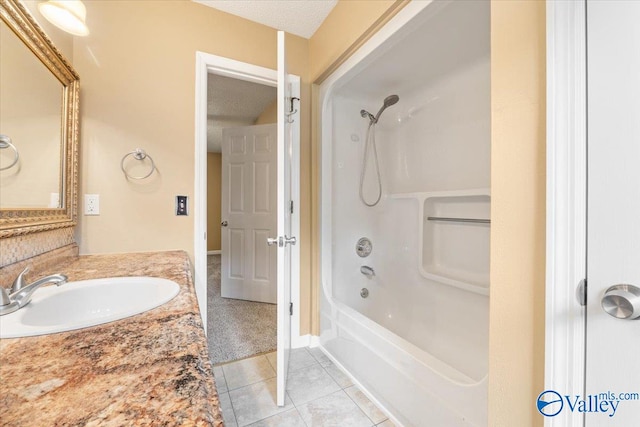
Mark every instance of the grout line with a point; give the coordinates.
(301, 417)
(226, 385)
(373, 423)
(235, 417)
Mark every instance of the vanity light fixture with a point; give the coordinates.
(68, 15)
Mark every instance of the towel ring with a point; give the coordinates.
(5, 142)
(138, 154)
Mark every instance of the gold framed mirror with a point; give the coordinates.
(16, 219)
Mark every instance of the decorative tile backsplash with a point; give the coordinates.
(18, 248)
(39, 265)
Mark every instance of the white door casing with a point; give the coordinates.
(284, 245)
(207, 63)
(587, 355)
(613, 231)
(249, 166)
(566, 203)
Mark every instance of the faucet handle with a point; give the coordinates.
(4, 297)
(19, 283)
(7, 305)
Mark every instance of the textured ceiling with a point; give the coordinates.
(232, 103)
(299, 17)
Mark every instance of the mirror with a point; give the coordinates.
(38, 128)
(30, 115)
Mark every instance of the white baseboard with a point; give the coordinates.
(314, 341)
(300, 341)
(218, 252)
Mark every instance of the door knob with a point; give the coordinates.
(622, 301)
(289, 240)
(224, 223)
(274, 241)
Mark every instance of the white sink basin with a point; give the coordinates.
(85, 303)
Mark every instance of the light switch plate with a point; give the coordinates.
(182, 206)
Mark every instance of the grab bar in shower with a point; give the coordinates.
(442, 218)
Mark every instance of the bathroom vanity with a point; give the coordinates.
(149, 369)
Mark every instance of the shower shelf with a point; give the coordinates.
(454, 253)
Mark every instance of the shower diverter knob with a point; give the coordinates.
(622, 301)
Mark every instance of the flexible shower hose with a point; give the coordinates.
(370, 140)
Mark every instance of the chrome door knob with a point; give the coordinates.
(622, 301)
(274, 241)
(224, 223)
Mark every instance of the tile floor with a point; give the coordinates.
(318, 394)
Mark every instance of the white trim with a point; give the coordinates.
(314, 341)
(566, 202)
(298, 341)
(295, 217)
(216, 252)
(207, 63)
(200, 188)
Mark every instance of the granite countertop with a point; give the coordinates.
(150, 369)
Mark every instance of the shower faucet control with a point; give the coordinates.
(364, 247)
(367, 271)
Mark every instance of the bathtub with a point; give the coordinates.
(414, 332)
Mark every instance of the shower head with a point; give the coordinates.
(388, 102)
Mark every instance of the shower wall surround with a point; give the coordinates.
(415, 333)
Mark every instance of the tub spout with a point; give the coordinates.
(367, 271)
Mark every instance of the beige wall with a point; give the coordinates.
(516, 367)
(62, 40)
(269, 115)
(137, 76)
(350, 23)
(214, 201)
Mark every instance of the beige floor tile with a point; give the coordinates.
(310, 383)
(227, 410)
(386, 423)
(271, 357)
(221, 383)
(256, 402)
(334, 410)
(248, 371)
(320, 356)
(338, 376)
(290, 418)
(300, 358)
(367, 406)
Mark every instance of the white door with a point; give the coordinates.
(613, 255)
(249, 170)
(284, 239)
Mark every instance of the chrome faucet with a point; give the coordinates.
(20, 293)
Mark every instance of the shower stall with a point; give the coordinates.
(405, 214)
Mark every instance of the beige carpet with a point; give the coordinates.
(236, 329)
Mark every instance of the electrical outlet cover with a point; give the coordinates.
(92, 204)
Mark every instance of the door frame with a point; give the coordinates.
(566, 234)
(207, 63)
